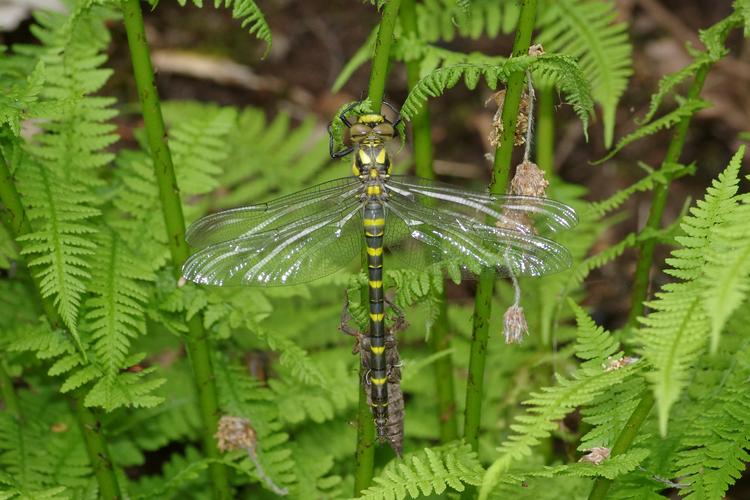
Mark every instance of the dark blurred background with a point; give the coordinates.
(203, 54)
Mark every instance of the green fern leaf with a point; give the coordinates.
(687, 108)
(674, 335)
(59, 245)
(560, 69)
(115, 311)
(251, 17)
(727, 274)
(430, 470)
(551, 404)
(586, 30)
(715, 50)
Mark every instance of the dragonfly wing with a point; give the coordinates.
(255, 219)
(421, 237)
(303, 251)
(525, 214)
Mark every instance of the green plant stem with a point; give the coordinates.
(646, 255)
(198, 346)
(424, 167)
(365, 452)
(513, 92)
(545, 130)
(486, 285)
(96, 445)
(10, 400)
(379, 71)
(624, 440)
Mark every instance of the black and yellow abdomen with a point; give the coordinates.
(374, 224)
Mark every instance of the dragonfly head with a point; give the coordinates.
(370, 134)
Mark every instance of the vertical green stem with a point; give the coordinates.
(624, 440)
(383, 42)
(423, 160)
(365, 453)
(9, 394)
(198, 346)
(96, 445)
(545, 130)
(500, 174)
(659, 201)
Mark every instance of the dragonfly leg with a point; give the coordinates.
(336, 154)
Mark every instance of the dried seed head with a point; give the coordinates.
(521, 124)
(529, 180)
(596, 455)
(514, 325)
(536, 50)
(235, 433)
(615, 364)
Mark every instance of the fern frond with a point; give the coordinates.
(60, 244)
(241, 396)
(561, 69)
(432, 470)
(674, 335)
(714, 420)
(75, 124)
(198, 142)
(20, 97)
(715, 50)
(687, 108)
(588, 31)
(727, 273)
(666, 173)
(250, 17)
(40, 462)
(551, 404)
(116, 310)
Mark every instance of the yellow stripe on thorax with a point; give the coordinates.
(381, 156)
(373, 190)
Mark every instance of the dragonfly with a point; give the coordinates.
(422, 224)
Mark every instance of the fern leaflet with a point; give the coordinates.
(586, 30)
(422, 473)
(674, 334)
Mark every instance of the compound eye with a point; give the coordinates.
(359, 131)
(384, 130)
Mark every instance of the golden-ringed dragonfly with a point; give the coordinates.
(421, 223)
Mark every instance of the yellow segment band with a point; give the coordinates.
(374, 234)
(375, 267)
(374, 222)
(374, 252)
(378, 381)
(376, 284)
(376, 316)
(377, 349)
(373, 190)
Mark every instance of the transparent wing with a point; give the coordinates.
(255, 219)
(302, 251)
(525, 214)
(420, 237)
